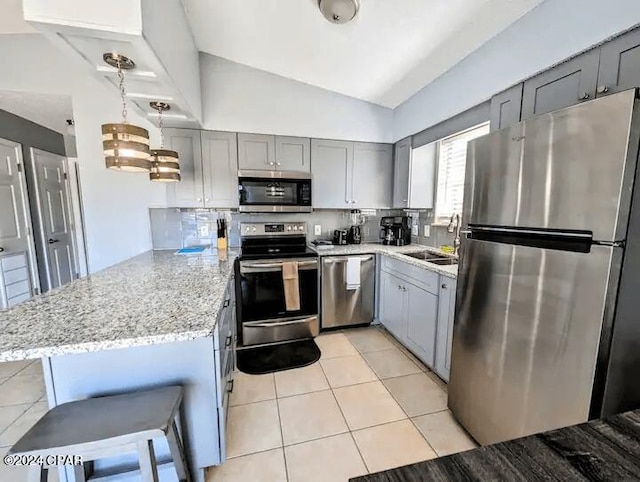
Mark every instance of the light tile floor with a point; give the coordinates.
(368, 405)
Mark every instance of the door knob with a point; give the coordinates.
(51, 241)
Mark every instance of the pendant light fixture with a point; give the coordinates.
(165, 165)
(126, 147)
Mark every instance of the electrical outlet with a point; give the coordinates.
(427, 230)
(317, 230)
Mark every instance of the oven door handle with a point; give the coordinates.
(279, 323)
(248, 267)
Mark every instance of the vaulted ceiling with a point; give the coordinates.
(385, 55)
(48, 110)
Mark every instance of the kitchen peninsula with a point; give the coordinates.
(155, 319)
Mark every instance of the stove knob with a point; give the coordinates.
(288, 228)
(254, 229)
(295, 228)
(248, 228)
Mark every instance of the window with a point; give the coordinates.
(452, 158)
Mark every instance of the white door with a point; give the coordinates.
(55, 216)
(16, 251)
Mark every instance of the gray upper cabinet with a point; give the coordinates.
(567, 84)
(372, 175)
(444, 339)
(256, 152)
(189, 192)
(220, 169)
(402, 171)
(506, 107)
(414, 175)
(331, 161)
(620, 64)
(293, 154)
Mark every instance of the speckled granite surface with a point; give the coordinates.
(396, 252)
(156, 297)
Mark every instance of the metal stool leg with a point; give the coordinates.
(177, 453)
(38, 473)
(147, 458)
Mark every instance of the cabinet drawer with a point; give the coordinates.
(424, 278)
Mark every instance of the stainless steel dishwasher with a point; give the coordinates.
(342, 306)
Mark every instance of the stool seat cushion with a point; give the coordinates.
(113, 419)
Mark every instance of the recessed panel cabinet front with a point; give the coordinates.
(256, 152)
(189, 192)
(330, 163)
(422, 316)
(392, 309)
(293, 154)
(372, 175)
(620, 64)
(220, 169)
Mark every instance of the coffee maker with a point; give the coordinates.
(395, 230)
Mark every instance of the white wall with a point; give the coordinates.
(115, 203)
(553, 31)
(240, 98)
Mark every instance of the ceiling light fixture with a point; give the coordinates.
(339, 11)
(165, 165)
(126, 147)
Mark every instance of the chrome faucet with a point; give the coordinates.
(454, 227)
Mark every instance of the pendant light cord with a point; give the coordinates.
(122, 93)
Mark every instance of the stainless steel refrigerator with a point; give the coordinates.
(547, 327)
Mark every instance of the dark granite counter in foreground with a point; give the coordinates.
(600, 450)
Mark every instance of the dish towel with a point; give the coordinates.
(353, 273)
(291, 285)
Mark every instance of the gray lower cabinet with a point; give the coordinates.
(189, 192)
(392, 305)
(256, 152)
(566, 84)
(401, 173)
(220, 169)
(293, 154)
(620, 64)
(506, 107)
(372, 175)
(421, 308)
(444, 338)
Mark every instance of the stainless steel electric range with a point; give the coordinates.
(263, 317)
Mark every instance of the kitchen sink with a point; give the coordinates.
(435, 258)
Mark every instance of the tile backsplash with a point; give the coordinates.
(174, 228)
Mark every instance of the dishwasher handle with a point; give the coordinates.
(343, 259)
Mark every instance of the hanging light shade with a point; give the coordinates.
(125, 146)
(165, 165)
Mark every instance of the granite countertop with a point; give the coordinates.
(396, 252)
(600, 450)
(156, 297)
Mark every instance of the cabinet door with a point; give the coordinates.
(422, 316)
(506, 107)
(401, 173)
(620, 64)
(220, 169)
(446, 311)
(189, 192)
(330, 162)
(392, 314)
(567, 84)
(372, 175)
(293, 154)
(256, 152)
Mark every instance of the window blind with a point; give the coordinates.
(452, 160)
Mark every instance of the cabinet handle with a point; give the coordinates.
(199, 199)
(230, 385)
(404, 288)
(585, 96)
(444, 286)
(278, 164)
(226, 303)
(603, 89)
(206, 199)
(227, 342)
(1, 249)
(271, 163)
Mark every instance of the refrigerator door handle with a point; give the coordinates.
(562, 240)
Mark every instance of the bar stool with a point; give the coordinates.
(101, 427)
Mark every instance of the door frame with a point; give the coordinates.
(38, 208)
(26, 202)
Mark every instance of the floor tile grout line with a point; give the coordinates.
(346, 422)
(284, 453)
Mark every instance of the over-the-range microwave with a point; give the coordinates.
(274, 191)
